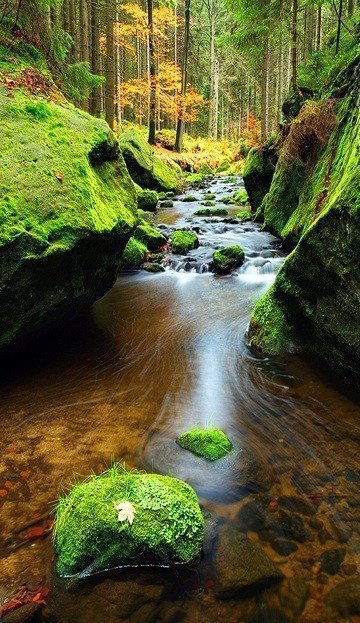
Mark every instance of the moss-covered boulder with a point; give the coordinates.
(134, 255)
(241, 197)
(149, 236)
(183, 241)
(258, 172)
(210, 443)
(209, 196)
(147, 169)
(227, 259)
(67, 206)
(314, 301)
(211, 212)
(147, 199)
(189, 199)
(153, 267)
(120, 518)
(244, 214)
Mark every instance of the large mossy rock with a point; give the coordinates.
(259, 170)
(314, 301)
(147, 169)
(167, 526)
(67, 206)
(147, 199)
(183, 241)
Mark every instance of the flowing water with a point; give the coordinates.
(159, 354)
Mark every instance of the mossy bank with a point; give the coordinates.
(67, 206)
(314, 302)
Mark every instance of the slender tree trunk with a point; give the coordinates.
(153, 77)
(84, 31)
(109, 65)
(318, 28)
(180, 121)
(340, 11)
(212, 70)
(350, 8)
(294, 41)
(309, 31)
(95, 100)
(264, 91)
(215, 101)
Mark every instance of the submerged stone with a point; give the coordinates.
(331, 560)
(241, 566)
(183, 241)
(167, 526)
(227, 259)
(210, 443)
(345, 597)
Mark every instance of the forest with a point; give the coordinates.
(179, 311)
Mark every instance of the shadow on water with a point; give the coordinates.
(157, 355)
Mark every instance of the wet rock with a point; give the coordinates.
(241, 566)
(213, 525)
(294, 593)
(324, 536)
(291, 526)
(25, 614)
(331, 560)
(339, 531)
(316, 523)
(151, 267)
(351, 475)
(228, 259)
(296, 505)
(167, 203)
(284, 547)
(252, 516)
(349, 569)
(345, 597)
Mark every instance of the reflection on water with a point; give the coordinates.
(157, 355)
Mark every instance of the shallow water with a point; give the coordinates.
(157, 355)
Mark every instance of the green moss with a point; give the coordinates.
(269, 330)
(147, 169)
(147, 199)
(210, 443)
(184, 241)
(67, 209)
(258, 172)
(241, 197)
(208, 203)
(223, 166)
(244, 215)
(152, 267)
(149, 236)
(211, 212)
(195, 178)
(283, 197)
(167, 203)
(188, 199)
(209, 196)
(227, 259)
(168, 526)
(134, 255)
(205, 169)
(228, 200)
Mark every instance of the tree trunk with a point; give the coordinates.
(95, 99)
(309, 31)
(294, 37)
(215, 102)
(264, 91)
(109, 65)
(339, 26)
(84, 31)
(152, 68)
(212, 71)
(180, 121)
(350, 8)
(318, 28)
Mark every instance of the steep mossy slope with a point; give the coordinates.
(315, 300)
(67, 204)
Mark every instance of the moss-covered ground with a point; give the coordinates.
(209, 443)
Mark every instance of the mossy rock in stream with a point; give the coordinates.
(184, 241)
(134, 255)
(211, 212)
(209, 443)
(189, 199)
(259, 170)
(241, 197)
(227, 259)
(147, 169)
(147, 199)
(244, 215)
(167, 527)
(67, 207)
(149, 236)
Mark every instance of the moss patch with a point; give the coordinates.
(149, 236)
(227, 259)
(210, 443)
(147, 199)
(184, 241)
(269, 329)
(168, 526)
(211, 212)
(134, 255)
(244, 215)
(258, 172)
(241, 197)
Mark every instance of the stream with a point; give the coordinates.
(159, 354)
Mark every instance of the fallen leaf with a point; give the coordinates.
(25, 474)
(59, 176)
(34, 533)
(8, 484)
(11, 449)
(126, 512)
